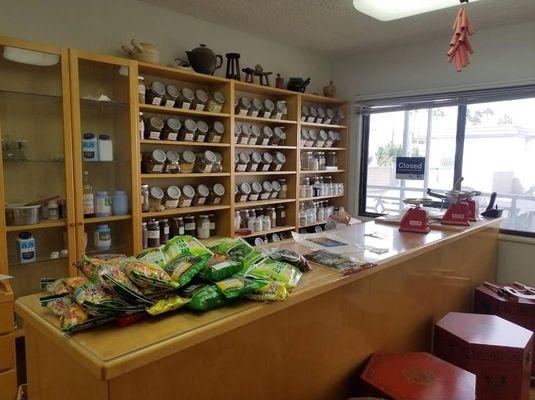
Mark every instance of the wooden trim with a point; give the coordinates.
(180, 74)
(232, 99)
(135, 157)
(25, 44)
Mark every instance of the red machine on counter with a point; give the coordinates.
(415, 218)
(462, 206)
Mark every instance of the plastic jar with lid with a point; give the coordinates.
(321, 160)
(281, 215)
(313, 137)
(304, 113)
(256, 189)
(201, 194)
(145, 198)
(185, 99)
(321, 139)
(329, 116)
(321, 115)
(170, 129)
(254, 162)
(255, 107)
(237, 221)
(331, 159)
(144, 235)
(312, 117)
(171, 197)
(164, 231)
(255, 135)
(177, 226)
(243, 161)
(215, 102)
(303, 187)
(242, 108)
(272, 214)
(281, 110)
(188, 130)
(205, 161)
(279, 159)
(237, 133)
(312, 162)
(267, 159)
(155, 93)
(329, 141)
(279, 136)
(216, 132)
(153, 233)
(190, 226)
(187, 196)
(276, 188)
(245, 133)
(172, 163)
(283, 194)
(200, 100)
(141, 89)
(305, 138)
(266, 136)
(153, 162)
(218, 165)
(202, 131)
(217, 191)
(267, 188)
(332, 138)
(102, 205)
(244, 190)
(153, 128)
(171, 95)
(155, 198)
(213, 228)
(267, 109)
(187, 162)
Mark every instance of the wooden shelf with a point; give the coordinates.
(338, 171)
(179, 143)
(111, 218)
(326, 126)
(192, 175)
(324, 148)
(314, 98)
(40, 259)
(274, 230)
(269, 146)
(180, 211)
(180, 74)
(321, 197)
(264, 120)
(45, 224)
(311, 225)
(260, 173)
(247, 204)
(179, 111)
(262, 90)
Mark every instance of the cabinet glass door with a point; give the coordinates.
(36, 195)
(103, 120)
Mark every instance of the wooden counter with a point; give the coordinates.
(307, 347)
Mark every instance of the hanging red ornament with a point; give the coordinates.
(460, 44)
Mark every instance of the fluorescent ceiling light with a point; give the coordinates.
(388, 10)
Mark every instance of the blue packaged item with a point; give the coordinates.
(120, 203)
(89, 147)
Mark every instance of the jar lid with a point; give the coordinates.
(201, 95)
(103, 137)
(244, 158)
(269, 105)
(279, 132)
(245, 102)
(281, 106)
(189, 217)
(267, 186)
(219, 189)
(190, 125)
(304, 110)
(172, 91)
(329, 112)
(237, 129)
(323, 135)
(89, 136)
(279, 158)
(267, 131)
(173, 123)
(172, 156)
(158, 155)
(156, 192)
(202, 126)
(102, 194)
(340, 113)
(210, 157)
(173, 192)
(255, 130)
(321, 112)
(218, 157)
(219, 127)
(276, 186)
(275, 237)
(246, 130)
(178, 219)
(156, 122)
(313, 135)
(236, 158)
(187, 93)
(144, 186)
(256, 158)
(256, 103)
(267, 158)
(313, 111)
(245, 188)
(258, 241)
(158, 88)
(235, 189)
(188, 157)
(188, 191)
(218, 97)
(304, 134)
(202, 190)
(256, 187)
(332, 135)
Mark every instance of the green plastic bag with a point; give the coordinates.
(237, 287)
(183, 268)
(272, 291)
(166, 304)
(275, 270)
(184, 245)
(145, 274)
(237, 250)
(204, 297)
(217, 269)
(152, 256)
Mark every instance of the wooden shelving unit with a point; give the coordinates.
(45, 224)
(269, 232)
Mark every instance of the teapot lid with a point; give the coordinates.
(203, 49)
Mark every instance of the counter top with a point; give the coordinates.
(110, 351)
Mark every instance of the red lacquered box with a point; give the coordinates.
(496, 350)
(416, 376)
(518, 311)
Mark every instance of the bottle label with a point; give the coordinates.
(181, 230)
(199, 107)
(166, 230)
(172, 136)
(190, 226)
(169, 103)
(186, 106)
(89, 203)
(154, 135)
(153, 234)
(157, 101)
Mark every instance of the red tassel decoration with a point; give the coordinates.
(460, 44)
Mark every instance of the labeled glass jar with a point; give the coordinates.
(188, 130)
(271, 213)
(304, 113)
(187, 162)
(203, 227)
(171, 95)
(340, 117)
(244, 190)
(153, 162)
(279, 159)
(276, 189)
(279, 136)
(266, 136)
(281, 110)
(205, 161)
(171, 197)
(266, 190)
(305, 138)
(237, 221)
(172, 162)
(329, 116)
(265, 164)
(254, 161)
(217, 191)
(164, 231)
(185, 99)
(201, 194)
(218, 165)
(177, 226)
(267, 109)
(216, 102)
(281, 215)
(202, 131)
(213, 229)
(321, 160)
(190, 226)
(256, 189)
(283, 194)
(322, 138)
(141, 89)
(153, 233)
(311, 162)
(216, 132)
(313, 137)
(153, 128)
(329, 141)
(255, 135)
(155, 93)
(144, 235)
(243, 161)
(187, 196)
(332, 138)
(155, 198)
(255, 107)
(313, 116)
(145, 198)
(331, 159)
(321, 116)
(170, 129)
(200, 100)
(245, 133)
(237, 133)
(242, 108)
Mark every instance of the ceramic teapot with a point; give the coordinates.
(145, 52)
(204, 60)
(297, 84)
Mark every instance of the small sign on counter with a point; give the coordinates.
(412, 168)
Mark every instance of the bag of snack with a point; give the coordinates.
(272, 291)
(63, 285)
(97, 302)
(90, 266)
(237, 250)
(184, 245)
(152, 256)
(203, 297)
(183, 268)
(275, 270)
(166, 304)
(236, 287)
(290, 257)
(58, 304)
(145, 274)
(115, 280)
(217, 269)
(77, 319)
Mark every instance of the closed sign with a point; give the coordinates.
(412, 168)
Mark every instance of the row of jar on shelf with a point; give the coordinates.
(258, 220)
(319, 115)
(252, 134)
(268, 238)
(160, 94)
(314, 212)
(185, 129)
(156, 198)
(156, 232)
(245, 162)
(158, 161)
(275, 189)
(256, 107)
(312, 138)
(319, 161)
(319, 186)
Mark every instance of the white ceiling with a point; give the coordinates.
(334, 27)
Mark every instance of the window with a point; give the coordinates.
(490, 144)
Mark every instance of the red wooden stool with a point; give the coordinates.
(520, 312)
(497, 351)
(416, 376)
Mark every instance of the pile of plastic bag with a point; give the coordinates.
(182, 273)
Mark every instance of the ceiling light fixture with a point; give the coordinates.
(389, 10)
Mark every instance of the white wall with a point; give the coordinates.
(103, 25)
